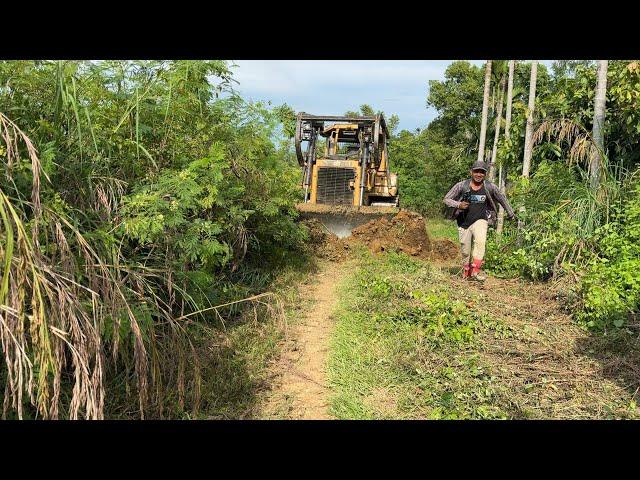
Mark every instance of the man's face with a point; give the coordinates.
(478, 175)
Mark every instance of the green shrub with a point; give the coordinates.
(609, 291)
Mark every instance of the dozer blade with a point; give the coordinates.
(340, 219)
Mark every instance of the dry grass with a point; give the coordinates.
(51, 322)
(582, 147)
(548, 367)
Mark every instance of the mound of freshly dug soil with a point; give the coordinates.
(324, 243)
(406, 232)
(444, 249)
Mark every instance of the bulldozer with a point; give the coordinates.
(346, 177)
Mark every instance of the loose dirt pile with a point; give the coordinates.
(324, 243)
(444, 249)
(405, 232)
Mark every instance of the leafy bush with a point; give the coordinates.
(151, 198)
(610, 288)
(593, 235)
(560, 222)
(542, 249)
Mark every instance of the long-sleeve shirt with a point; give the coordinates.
(452, 198)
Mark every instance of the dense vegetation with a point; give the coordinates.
(155, 193)
(145, 206)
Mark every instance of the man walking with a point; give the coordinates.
(475, 210)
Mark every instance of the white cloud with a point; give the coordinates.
(334, 86)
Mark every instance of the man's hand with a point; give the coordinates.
(463, 205)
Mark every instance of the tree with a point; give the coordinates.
(392, 123)
(368, 111)
(528, 144)
(567, 68)
(494, 151)
(485, 107)
(287, 116)
(598, 124)
(458, 100)
(507, 124)
(448, 145)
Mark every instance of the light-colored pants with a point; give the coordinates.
(476, 234)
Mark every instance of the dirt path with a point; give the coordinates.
(300, 390)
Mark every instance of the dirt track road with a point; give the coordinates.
(300, 391)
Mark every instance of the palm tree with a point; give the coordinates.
(485, 108)
(528, 144)
(496, 136)
(502, 175)
(598, 124)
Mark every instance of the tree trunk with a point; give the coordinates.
(494, 151)
(493, 101)
(492, 106)
(598, 124)
(528, 147)
(507, 124)
(485, 108)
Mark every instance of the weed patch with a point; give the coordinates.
(414, 342)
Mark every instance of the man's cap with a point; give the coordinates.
(480, 166)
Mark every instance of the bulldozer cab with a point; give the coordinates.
(342, 140)
(345, 169)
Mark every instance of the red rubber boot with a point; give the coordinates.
(476, 273)
(466, 271)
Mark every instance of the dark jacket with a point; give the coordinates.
(452, 199)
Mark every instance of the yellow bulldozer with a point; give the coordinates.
(346, 178)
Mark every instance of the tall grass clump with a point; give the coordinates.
(68, 307)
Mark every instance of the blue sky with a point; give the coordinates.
(331, 87)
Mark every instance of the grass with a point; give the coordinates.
(413, 342)
(441, 228)
(233, 350)
(402, 349)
